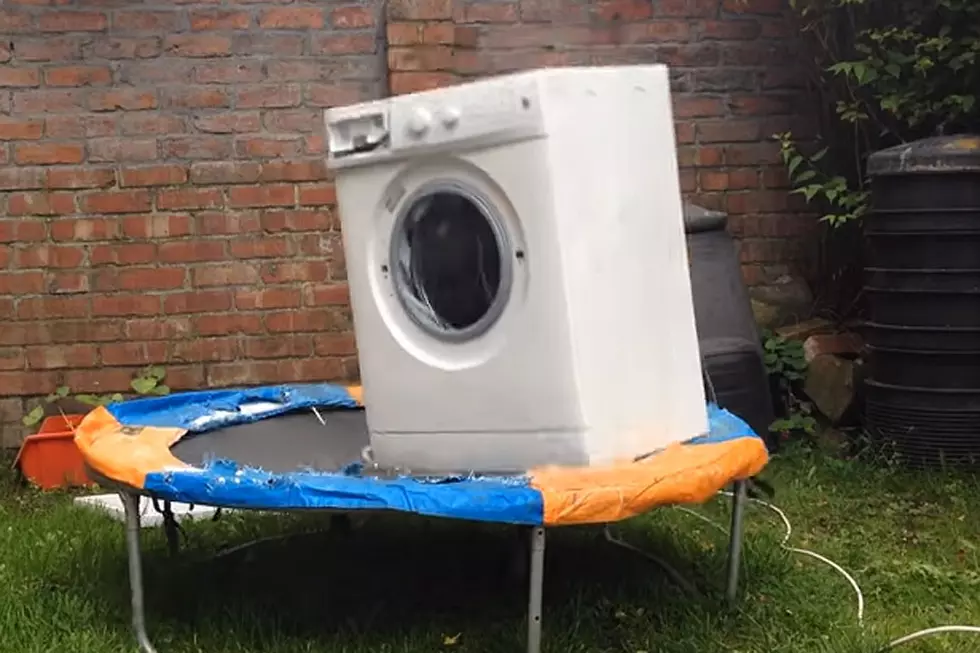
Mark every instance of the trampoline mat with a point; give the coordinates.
(287, 443)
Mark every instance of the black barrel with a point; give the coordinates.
(727, 333)
(922, 283)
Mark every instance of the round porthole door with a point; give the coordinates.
(451, 260)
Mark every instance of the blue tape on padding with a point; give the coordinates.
(204, 410)
(723, 426)
(225, 484)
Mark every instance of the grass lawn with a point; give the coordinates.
(912, 541)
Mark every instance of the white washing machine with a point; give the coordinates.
(518, 271)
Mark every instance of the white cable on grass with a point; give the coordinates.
(975, 630)
(812, 554)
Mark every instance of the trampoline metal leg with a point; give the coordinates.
(131, 504)
(735, 541)
(536, 591)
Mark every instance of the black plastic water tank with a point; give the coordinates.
(727, 333)
(922, 282)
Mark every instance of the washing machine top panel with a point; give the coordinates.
(479, 114)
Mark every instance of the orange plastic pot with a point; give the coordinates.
(49, 459)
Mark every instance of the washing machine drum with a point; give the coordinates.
(451, 268)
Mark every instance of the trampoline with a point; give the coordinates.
(301, 447)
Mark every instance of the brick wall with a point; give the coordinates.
(163, 197)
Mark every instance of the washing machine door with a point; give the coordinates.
(452, 260)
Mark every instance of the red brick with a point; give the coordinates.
(623, 10)
(68, 283)
(317, 194)
(337, 294)
(420, 58)
(50, 357)
(202, 301)
(292, 18)
(760, 105)
(78, 76)
(264, 247)
(267, 298)
(268, 195)
(268, 96)
(116, 149)
(127, 48)
(84, 331)
(730, 30)
(156, 225)
(191, 250)
(280, 346)
(203, 97)
(229, 122)
(698, 106)
(12, 358)
(54, 48)
(99, 380)
(13, 129)
(298, 220)
(22, 178)
(294, 271)
(219, 19)
(758, 202)
(300, 321)
(656, 31)
(48, 153)
(728, 131)
(167, 328)
(228, 72)
(15, 21)
(19, 383)
(145, 21)
(293, 70)
(493, 12)
(197, 45)
(80, 126)
(134, 278)
(196, 147)
(225, 172)
(224, 274)
(265, 147)
(51, 308)
(292, 120)
(343, 44)
(122, 254)
(420, 9)
(84, 229)
(314, 170)
(411, 82)
(161, 175)
(212, 223)
(16, 231)
(190, 198)
(332, 95)
(81, 177)
(211, 325)
(255, 43)
(40, 203)
(211, 349)
(134, 353)
(403, 34)
(21, 283)
(72, 21)
(125, 201)
(334, 344)
(34, 103)
(352, 17)
(126, 99)
(125, 305)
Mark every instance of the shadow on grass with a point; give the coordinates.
(403, 583)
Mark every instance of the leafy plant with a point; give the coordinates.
(786, 364)
(149, 381)
(892, 71)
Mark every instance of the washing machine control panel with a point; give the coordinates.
(457, 115)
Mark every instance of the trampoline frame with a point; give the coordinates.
(537, 534)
